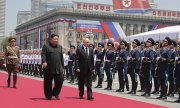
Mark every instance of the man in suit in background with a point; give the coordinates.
(85, 68)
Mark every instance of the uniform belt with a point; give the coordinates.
(107, 60)
(12, 57)
(69, 60)
(98, 60)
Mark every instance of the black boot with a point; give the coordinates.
(163, 93)
(171, 90)
(98, 84)
(122, 86)
(149, 89)
(156, 89)
(118, 90)
(178, 101)
(108, 82)
(14, 81)
(8, 81)
(135, 88)
(109, 87)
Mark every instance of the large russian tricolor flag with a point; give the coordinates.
(113, 30)
(131, 6)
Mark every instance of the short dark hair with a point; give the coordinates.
(11, 38)
(53, 35)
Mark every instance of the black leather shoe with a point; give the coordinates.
(14, 86)
(8, 86)
(81, 97)
(118, 90)
(177, 101)
(144, 94)
(134, 92)
(122, 90)
(48, 98)
(171, 95)
(97, 86)
(90, 98)
(130, 92)
(57, 97)
(161, 97)
(108, 88)
(100, 86)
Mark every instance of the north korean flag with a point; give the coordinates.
(131, 6)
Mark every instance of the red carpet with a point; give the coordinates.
(29, 94)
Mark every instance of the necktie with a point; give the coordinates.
(86, 51)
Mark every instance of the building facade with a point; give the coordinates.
(64, 22)
(35, 8)
(2, 17)
(23, 16)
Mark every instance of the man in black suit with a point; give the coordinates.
(53, 64)
(85, 68)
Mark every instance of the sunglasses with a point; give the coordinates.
(12, 41)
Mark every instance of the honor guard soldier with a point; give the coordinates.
(99, 64)
(172, 68)
(134, 64)
(177, 72)
(71, 63)
(109, 65)
(26, 62)
(31, 62)
(21, 55)
(94, 76)
(147, 65)
(121, 65)
(23, 62)
(141, 67)
(155, 68)
(39, 62)
(36, 73)
(165, 56)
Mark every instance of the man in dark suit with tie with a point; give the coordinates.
(85, 68)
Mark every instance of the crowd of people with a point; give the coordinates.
(155, 63)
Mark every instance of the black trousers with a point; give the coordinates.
(82, 80)
(58, 81)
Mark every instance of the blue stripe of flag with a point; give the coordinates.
(114, 31)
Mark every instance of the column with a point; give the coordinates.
(131, 29)
(139, 28)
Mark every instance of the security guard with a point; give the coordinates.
(109, 65)
(165, 56)
(177, 72)
(121, 65)
(141, 67)
(71, 63)
(155, 68)
(134, 64)
(172, 69)
(147, 66)
(99, 64)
